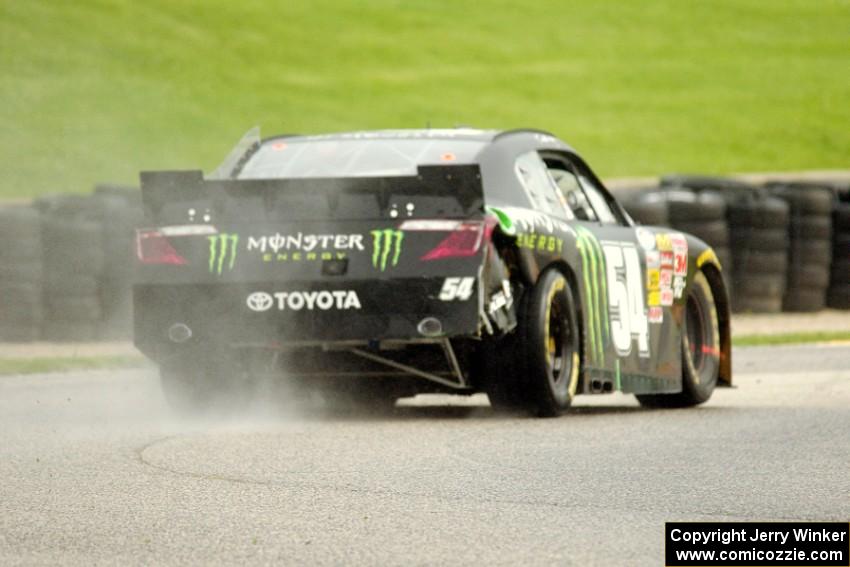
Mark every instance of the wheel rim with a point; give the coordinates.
(557, 343)
(696, 333)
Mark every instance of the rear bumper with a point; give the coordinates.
(276, 315)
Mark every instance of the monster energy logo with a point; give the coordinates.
(222, 249)
(386, 247)
(596, 292)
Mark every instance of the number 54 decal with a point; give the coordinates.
(457, 288)
(625, 298)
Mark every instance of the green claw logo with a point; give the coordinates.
(222, 249)
(386, 243)
(594, 272)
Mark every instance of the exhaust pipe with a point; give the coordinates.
(179, 333)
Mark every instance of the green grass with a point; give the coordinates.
(66, 364)
(791, 338)
(96, 90)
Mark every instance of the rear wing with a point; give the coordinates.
(443, 191)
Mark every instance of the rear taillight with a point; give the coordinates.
(152, 247)
(464, 240)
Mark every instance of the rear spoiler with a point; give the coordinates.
(168, 195)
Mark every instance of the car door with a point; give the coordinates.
(629, 328)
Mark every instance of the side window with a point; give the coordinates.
(571, 192)
(539, 186)
(597, 199)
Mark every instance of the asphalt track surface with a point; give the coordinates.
(95, 469)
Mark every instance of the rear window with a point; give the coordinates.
(354, 158)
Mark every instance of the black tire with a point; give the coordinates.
(714, 232)
(805, 199)
(756, 304)
(20, 304)
(687, 206)
(74, 308)
(768, 212)
(69, 332)
(647, 207)
(700, 350)
(73, 246)
(808, 276)
(811, 226)
(840, 273)
(62, 284)
(841, 217)
(703, 182)
(19, 223)
(841, 246)
(546, 351)
(760, 239)
(817, 252)
(753, 262)
(838, 297)
(804, 300)
(771, 285)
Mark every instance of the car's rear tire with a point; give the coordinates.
(700, 350)
(543, 374)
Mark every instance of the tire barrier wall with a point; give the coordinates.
(810, 244)
(838, 293)
(789, 242)
(66, 267)
(21, 274)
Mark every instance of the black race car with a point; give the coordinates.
(378, 265)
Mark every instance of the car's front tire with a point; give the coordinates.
(700, 350)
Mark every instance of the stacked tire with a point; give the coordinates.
(810, 248)
(121, 211)
(758, 226)
(838, 294)
(702, 214)
(646, 206)
(73, 265)
(21, 274)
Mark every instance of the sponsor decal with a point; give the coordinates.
(653, 259)
(299, 246)
(663, 242)
(670, 262)
(305, 242)
(222, 252)
(540, 242)
(595, 283)
(501, 299)
(656, 315)
(678, 286)
(260, 301)
(645, 238)
(680, 254)
(653, 279)
(386, 248)
(457, 288)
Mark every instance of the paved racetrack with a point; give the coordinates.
(94, 468)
